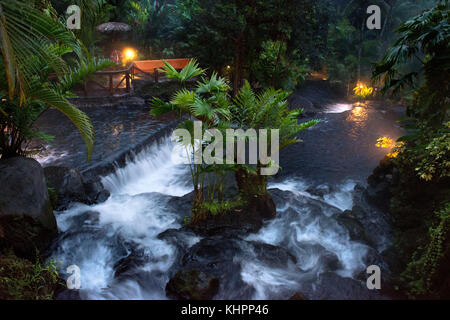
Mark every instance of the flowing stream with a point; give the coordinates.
(121, 255)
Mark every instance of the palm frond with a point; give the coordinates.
(159, 107)
(78, 117)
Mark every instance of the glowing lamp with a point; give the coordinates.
(129, 54)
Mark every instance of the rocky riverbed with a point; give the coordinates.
(132, 243)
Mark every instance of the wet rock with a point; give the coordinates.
(90, 218)
(221, 258)
(27, 222)
(329, 261)
(385, 168)
(273, 256)
(355, 228)
(71, 186)
(379, 195)
(298, 296)
(320, 191)
(374, 258)
(181, 238)
(127, 266)
(95, 191)
(192, 285)
(331, 286)
(68, 184)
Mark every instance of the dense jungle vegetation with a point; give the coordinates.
(251, 55)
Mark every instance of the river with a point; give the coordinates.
(124, 250)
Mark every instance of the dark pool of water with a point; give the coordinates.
(342, 146)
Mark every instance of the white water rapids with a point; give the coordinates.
(97, 238)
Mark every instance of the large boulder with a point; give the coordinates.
(26, 215)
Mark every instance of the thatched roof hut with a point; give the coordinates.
(112, 27)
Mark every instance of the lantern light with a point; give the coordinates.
(129, 54)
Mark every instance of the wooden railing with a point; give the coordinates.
(111, 88)
(137, 68)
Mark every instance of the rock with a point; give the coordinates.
(25, 236)
(27, 220)
(331, 286)
(240, 221)
(220, 257)
(273, 256)
(379, 195)
(71, 186)
(23, 191)
(354, 226)
(95, 191)
(68, 184)
(298, 296)
(127, 265)
(192, 285)
(319, 191)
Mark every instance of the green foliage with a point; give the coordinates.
(53, 195)
(211, 103)
(424, 38)
(428, 267)
(237, 33)
(152, 23)
(268, 110)
(33, 47)
(420, 198)
(191, 70)
(274, 68)
(22, 280)
(215, 208)
(435, 158)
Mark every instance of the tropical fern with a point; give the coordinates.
(191, 70)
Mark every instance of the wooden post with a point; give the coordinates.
(156, 75)
(111, 84)
(127, 81)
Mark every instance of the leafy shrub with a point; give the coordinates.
(21, 279)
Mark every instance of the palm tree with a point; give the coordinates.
(208, 103)
(32, 44)
(267, 110)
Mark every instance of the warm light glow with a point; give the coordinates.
(362, 91)
(228, 67)
(386, 142)
(129, 54)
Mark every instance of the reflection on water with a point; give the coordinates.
(343, 146)
(338, 108)
(358, 114)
